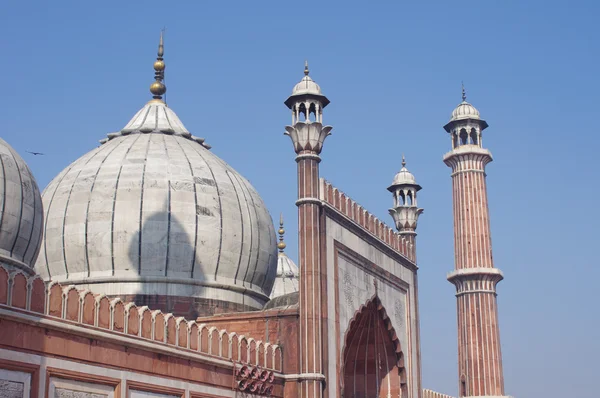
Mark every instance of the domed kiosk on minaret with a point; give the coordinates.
(152, 216)
(465, 125)
(405, 212)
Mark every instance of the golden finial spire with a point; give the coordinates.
(403, 161)
(158, 89)
(464, 94)
(281, 245)
(305, 68)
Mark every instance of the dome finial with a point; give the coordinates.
(281, 245)
(403, 161)
(464, 94)
(305, 68)
(158, 88)
(161, 46)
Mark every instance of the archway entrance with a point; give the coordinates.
(372, 357)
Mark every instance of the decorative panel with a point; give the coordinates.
(68, 393)
(63, 388)
(11, 389)
(147, 394)
(14, 384)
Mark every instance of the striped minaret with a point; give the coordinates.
(475, 278)
(308, 134)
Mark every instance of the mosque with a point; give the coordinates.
(150, 268)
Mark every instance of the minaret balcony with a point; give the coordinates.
(469, 149)
(473, 153)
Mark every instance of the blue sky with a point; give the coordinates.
(74, 71)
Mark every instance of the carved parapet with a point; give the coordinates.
(20, 292)
(433, 394)
(308, 137)
(356, 213)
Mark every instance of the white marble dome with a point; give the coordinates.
(404, 177)
(152, 211)
(21, 212)
(464, 110)
(306, 86)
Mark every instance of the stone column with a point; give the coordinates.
(475, 278)
(308, 141)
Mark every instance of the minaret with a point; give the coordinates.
(475, 278)
(308, 134)
(405, 212)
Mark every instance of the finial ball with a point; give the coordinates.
(157, 88)
(281, 245)
(159, 66)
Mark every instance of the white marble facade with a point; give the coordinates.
(355, 286)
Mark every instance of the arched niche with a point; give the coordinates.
(373, 364)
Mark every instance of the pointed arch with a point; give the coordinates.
(474, 136)
(372, 358)
(312, 112)
(464, 137)
(302, 111)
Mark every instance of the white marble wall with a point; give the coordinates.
(355, 288)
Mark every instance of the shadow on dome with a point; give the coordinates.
(172, 278)
(162, 250)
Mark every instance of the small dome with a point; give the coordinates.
(404, 177)
(286, 281)
(21, 213)
(306, 86)
(464, 111)
(287, 277)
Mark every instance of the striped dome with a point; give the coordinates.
(464, 110)
(306, 86)
(21, 212)
(153, 212)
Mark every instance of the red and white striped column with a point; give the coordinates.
(475, 278)
(308, 135)
(313, 274)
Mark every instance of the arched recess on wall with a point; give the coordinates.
(373, 363)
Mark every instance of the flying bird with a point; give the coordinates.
(34, 153)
